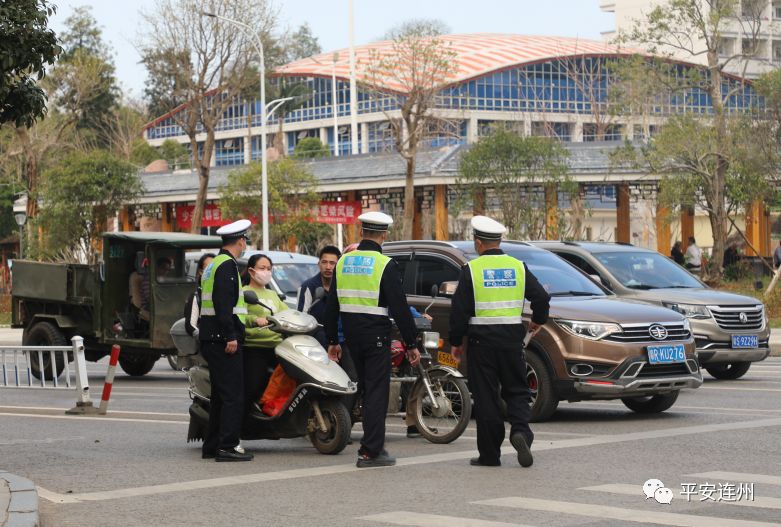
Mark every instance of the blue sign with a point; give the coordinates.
(358, 265)
(499, 278)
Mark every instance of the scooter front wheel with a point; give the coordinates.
(446, 421)
(338, 427)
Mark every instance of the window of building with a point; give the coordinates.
(610, 132)
(726, 47)
(749, 47)
(777, 51)
(752, 8)
(777, 10)
(229, 152)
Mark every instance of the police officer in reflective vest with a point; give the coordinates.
(366, 291)
(221, 332)
(487, 308)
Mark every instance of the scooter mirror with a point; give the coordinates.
(319, 293)
(251, 297)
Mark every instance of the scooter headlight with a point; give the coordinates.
(315, 353)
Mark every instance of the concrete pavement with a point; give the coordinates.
(18, 501)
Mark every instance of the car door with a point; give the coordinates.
(430, 270)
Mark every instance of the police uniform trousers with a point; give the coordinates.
(371, 356)
(490, 368)
(226, 408)
(348, 365)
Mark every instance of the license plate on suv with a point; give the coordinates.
(745, 341)
(666, 354)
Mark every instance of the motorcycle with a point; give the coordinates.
(439, 400)
(314, 409)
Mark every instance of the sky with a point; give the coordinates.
(122, 24)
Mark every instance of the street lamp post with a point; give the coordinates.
(258, 43)
(21, 218)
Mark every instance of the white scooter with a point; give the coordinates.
(313, 409)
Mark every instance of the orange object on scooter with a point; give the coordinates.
(280, 388)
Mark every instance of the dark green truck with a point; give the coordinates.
(54, 301)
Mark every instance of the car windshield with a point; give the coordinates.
(558, 277)
(646, 270)
(290, 276)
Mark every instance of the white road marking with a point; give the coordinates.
(47, 440)
(415, 519)
(738, 389)
(94, 418)
(129, 412)
(680, 406)
(604, 512)
(636, 490)
(408, 461)
(739, 477)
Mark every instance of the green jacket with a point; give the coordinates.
(260, 337)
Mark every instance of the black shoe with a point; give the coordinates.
(475, 462)
(232, 455)
(413, 432)
(208, 454)
(518, 442)
(383, 460)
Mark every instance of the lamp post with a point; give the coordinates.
(258, 43)
(21, 218)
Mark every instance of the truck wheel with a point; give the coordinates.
(729, 371)
(652, 404)
(45, 334)
(137, 364)
(543, 399)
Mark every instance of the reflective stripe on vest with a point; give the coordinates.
(358, 277)
(499, 283)
(207, 289)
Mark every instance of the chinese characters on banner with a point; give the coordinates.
(331, 212)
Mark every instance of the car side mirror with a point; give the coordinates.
(448, 288)
(434, 291)
(251, 297)
(319, 293)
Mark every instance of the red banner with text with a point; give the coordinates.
(331, 212)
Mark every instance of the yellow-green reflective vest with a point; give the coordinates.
(499, 282)
(207, 288)
(358, 277)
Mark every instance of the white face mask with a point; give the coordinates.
(263, 277)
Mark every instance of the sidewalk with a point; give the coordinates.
(18, 502)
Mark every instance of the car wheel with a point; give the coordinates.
(45, 334)
(543, 398)
(651, 404)
(137, 364)
(729, 371)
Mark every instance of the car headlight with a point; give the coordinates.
(589, 330)
(689, 310)
(687, 325)
(315, 353)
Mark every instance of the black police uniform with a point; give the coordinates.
(495, 358)
(226, 410)
(368, 337)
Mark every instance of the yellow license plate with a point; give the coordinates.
(447, 359)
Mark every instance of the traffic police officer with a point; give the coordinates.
(487, 308)
(366, 291)
(221, 332)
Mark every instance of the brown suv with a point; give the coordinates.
(594, 346)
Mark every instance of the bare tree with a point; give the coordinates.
(216, 72)
(406, 77)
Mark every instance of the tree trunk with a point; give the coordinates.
(279, 139)
(718, 212)
(409, 197)
(200, 201)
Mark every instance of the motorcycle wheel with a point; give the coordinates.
(447, 423)
(172, 362)
(337, 420)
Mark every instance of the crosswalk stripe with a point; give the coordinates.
(739, 477)
(415, 519)
(635, 490)
(604, 512)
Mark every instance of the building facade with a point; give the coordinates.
(755, 29)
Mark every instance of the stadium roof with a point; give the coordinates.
(476, 54)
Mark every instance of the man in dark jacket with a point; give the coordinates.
(487, 309)
(307, 303)
(221, 332)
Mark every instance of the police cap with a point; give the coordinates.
(375, 221)
(486, 228)
(232, 231)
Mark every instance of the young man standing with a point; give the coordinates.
(307, 303)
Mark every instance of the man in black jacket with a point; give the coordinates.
(221, 332)
(487, 308)
(366, 291)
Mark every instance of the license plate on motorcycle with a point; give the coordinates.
(446, 359)
(667, 354)
(745, 341)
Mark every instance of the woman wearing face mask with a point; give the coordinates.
(259, 345)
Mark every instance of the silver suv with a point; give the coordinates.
(730, 331)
